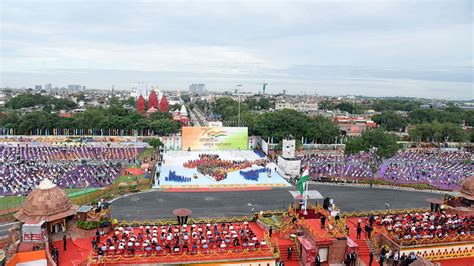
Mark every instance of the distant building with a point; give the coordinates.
(354, 126)
(48, 86)
(141, 90)
(300, 106)
(197, 88)
(155, 101)
(74, 87)
(38, 87)
(181, 115)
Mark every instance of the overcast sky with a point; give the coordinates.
(377, 48)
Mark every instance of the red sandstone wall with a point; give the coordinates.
(337, 251)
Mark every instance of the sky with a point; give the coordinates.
(372, 48)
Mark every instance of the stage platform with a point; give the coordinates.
(174, 160)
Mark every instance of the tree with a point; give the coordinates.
(351, 108)
(114, 101)
(96, 118)
(326, 105)
(81, 96)
(281, 124)
(438, 132)
(27, 100)
(154, 142)
(186, 98)
(390, 121)
(285, 123)
(130, 101)
(227, 107)
(381, 105)
(258, 103)
(264, 103)
(322, 130)
(385, 145)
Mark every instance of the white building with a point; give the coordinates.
(298, 106)
(48, 86)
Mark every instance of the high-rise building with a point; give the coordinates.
(48, 86)
(74, 87)
(38, 87)
(197, 88)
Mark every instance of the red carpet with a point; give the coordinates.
(134, 171)
(457, 262)
(364, 250)
(216, 189)
(84, 244)
(73, 255)
(314, 226)
(283, 245)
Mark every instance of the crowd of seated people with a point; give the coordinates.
(189, 239)
(213, 165)
(431, 155)
(255, 173)
(57, 153)
(338, 165)
(425, 226)
(444, 170)
(20, 178)
(172, 176)
(23, 167)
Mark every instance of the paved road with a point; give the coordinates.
(4, 228)
(156, 204)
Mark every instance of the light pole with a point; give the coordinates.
(238, 116)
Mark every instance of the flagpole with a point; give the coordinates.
(305, 193)
(305, 198)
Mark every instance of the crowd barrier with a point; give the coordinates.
(212, 255)
(393, 187)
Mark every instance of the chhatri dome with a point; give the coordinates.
(47, 202)
(467, 188)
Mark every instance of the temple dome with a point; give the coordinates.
(467, 188)
(183, 110)
(46, 202)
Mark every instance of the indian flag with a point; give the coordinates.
(304, 177)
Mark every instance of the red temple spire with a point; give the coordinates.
(164, 104)
(141, 104)
(153, 100)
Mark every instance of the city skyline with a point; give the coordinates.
(394, 48)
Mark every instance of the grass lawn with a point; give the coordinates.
(129, 178)
(9, 202)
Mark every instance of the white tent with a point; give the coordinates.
(312, 194)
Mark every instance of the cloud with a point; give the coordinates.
(305, 41)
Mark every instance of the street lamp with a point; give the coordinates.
(238, 116)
